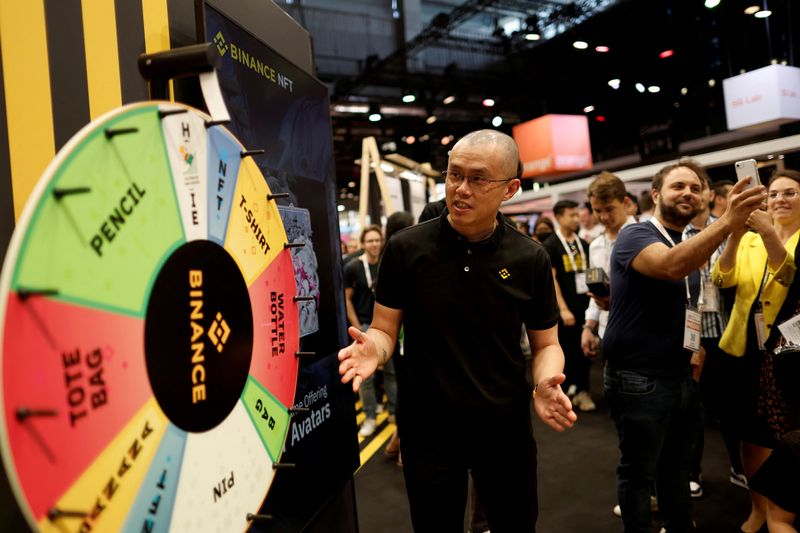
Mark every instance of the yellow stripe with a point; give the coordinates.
(378, 421)
(156, 29)
(376, 444)
(102, 56)
(29, 112)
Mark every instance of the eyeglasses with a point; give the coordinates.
(789, 194)
(476, 182)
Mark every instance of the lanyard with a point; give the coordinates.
(367, 273)
(578, 245)
(663, 231)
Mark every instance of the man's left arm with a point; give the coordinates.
(550, 402)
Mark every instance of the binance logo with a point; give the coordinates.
(504, 274)
(222, 46)
(218, 332)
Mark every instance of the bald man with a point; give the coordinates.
(463, 285)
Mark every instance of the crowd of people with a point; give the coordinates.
(688, 294)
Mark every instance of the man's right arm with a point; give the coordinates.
(372, 348)
(662, 262)
(352, 316)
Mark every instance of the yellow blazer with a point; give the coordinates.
(751, 258)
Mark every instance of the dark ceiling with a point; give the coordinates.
(554, 77)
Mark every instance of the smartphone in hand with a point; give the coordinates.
(748, 168)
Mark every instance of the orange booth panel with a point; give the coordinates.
(553, 144)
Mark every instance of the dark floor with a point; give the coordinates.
(576, 482)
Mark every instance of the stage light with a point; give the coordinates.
(488, 102)
(497, 121)
(640, 87)
(580, 45)
(588, 109)
(411, 139)
(764, 13)
(653, 89)
(712, 82)
(666, 53)
(374, 113)
(614, 84)
(710, 4)
(602, 49)
(600, 118)
(449, 100)
(340, 208)
(532, 36)
(684, 91)
(409, 98)
(431, 119)
(351, 184)
(752, 10)
(374, 117)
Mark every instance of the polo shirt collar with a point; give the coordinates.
(449, 235)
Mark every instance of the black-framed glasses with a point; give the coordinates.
(478, 182)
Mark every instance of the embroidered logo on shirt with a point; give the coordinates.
(504, 274)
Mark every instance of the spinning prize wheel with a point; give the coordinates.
(149, 326)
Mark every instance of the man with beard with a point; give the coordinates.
(653, 328)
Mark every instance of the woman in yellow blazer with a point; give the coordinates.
(761, 265)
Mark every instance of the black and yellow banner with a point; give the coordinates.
(64, 63)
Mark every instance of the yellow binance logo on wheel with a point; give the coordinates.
(505, 274)
(219, 332)
(222, 46)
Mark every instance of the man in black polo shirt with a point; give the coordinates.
(463, 285)
(653, 328)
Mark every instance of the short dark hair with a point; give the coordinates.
(645, 202)
(691, 164)
(785, 173)
(635, 201)
(719, 187)
(606, 187)
(563, 205)
(397, 221)
(371, 227)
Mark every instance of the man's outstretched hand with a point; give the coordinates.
(358, 361)
(552, 405)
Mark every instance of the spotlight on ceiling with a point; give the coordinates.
(764, 13)
(684, 91)
(449, 99)
(497, 121)
(580, 45)
(710, 4)
(653, 89)
(600, 118)
(601, 49)
(614, 84)
(588, 109)
(411, 139)
(640, 87)
(712, 82)
(431, 119)
(488, 102)
(666, 53)
(409, 98)
(532, 31)
(752, 10)
(374, 113)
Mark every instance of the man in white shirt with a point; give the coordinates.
(610, 205)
